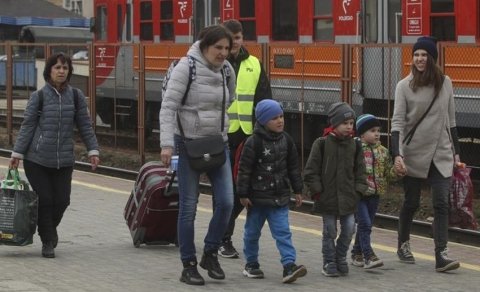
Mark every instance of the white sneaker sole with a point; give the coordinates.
(248, 275)
(373, 265)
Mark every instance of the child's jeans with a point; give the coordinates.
(277, 218)
(367, 207)
(332, 250)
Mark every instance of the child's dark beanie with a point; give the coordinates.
(366, 122)
(339, 112)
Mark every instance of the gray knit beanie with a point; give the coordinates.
(339, 112)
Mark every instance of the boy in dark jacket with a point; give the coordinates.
(335, 176)
(268, 170)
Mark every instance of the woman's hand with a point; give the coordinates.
(400, 168)
(14, 162)
(166, 155)
(94, 161)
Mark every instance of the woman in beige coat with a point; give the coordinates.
(425, 146)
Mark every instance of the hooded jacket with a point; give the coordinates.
(201, 114)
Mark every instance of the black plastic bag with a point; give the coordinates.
(18, 211)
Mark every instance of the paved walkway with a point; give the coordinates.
(95, 253)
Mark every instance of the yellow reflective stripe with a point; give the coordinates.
(245, 97)
(245, 118)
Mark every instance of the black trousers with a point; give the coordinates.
(440, 187)
(53, 187)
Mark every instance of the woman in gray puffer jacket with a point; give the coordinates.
(210, 94)
(45, 143)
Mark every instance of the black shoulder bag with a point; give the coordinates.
(408, 138)
(207, 153)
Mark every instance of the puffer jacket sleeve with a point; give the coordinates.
(312, 174)
(177, 85)
(293, 166)
(84, 125)
(231, 86)
(29, 124)
(246, 168)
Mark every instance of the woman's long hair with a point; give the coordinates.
(431, 76)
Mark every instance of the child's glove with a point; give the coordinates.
(316, 197)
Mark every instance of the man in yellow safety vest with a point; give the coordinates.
(252, 86)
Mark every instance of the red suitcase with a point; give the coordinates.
(152, 210)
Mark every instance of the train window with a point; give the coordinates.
(128, 23)
(440, 6)
(394, 21)
(323, 21)
(101, 25)
(443, 28)
(119, 22)
(284, 20)
(442, 20)
(146, 10)
(247, 18)
(146, 25)
(247, 8)
(166, 10)
(249, 30)
(166, 20)
(370, 22)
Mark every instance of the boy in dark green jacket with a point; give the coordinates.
(335, 176)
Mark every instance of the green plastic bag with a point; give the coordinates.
(18, 210)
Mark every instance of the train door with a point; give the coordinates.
(285, 20)
(205, 13)
(379, 71)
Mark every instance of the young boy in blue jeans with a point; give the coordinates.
(268, 171)
(379, 171)
(335, 177)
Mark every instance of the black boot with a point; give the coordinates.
(443, 263)
(210, 263)
(48, 249)
(190, 274)
(55, 239)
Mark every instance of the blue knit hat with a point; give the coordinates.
(428, 44)
(366, 122)
(266, 110)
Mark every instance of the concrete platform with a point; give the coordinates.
(96, 253)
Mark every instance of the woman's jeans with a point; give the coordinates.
(188, 185)
(53, 187)
(440, 190)
(366, 209)
(337, 250)
(277, 218)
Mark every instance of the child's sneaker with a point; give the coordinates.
(357, 259)
(342, 266)
(373, 262)
(252, 270)
(291, 272)
(330, 270)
